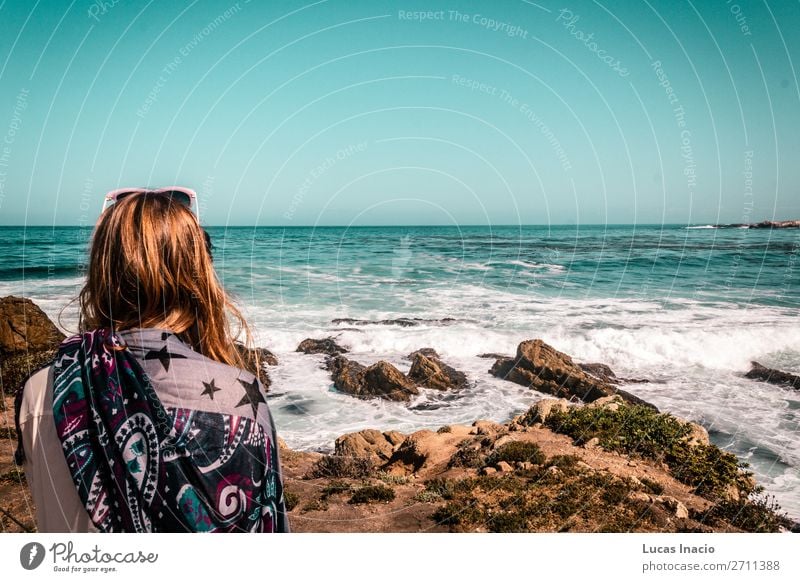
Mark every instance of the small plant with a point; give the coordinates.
(391, 479)
(759, 514)
(13, 476)
(426, 496)
(372, 493)
(654, 486)
(335, 487)
(444, 429)
(467, 455)
(315, 505)
(342, 466)
(8, 432)
(291, 499)
(517, 451)
(443, 488)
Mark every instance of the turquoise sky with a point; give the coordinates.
(353, 113)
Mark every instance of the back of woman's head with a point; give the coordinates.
(150, 266)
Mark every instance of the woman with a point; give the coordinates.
(147, 419)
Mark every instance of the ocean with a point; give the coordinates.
(686, 307)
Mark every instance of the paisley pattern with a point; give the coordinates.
(142, 466)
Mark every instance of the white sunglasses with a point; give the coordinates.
(185, 196)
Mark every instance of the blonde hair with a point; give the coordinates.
(149, 266)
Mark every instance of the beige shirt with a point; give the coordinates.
(58, 506)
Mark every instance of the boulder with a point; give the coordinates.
(265, 358)
(429, 371)
(543, 368)
(605, 374)
(677, 508)
(326, 345)
(371, 443)
(424, 449)
(504, 467)
(385, 380)
(772, 376)
(380, 380)
(28, 341)
(24, 327)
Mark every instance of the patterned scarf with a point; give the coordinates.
(140, 466)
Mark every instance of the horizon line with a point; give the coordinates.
(699, 223)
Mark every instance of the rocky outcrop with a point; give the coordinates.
(543, 368)
(28, 341)
(520, 476)
(326, 345)
(428, 370)
(380, 380)
(763, 224)
(776, 224)
(369, 443)
(772, 376)
(605, 374)
(256, 361)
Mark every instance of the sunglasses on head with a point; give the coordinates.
(185, 196)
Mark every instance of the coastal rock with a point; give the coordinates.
(424, 449)
(776, 224)
(539, 412)
(326, 345)
(429, 371)
(379, 380)
(24, 327)
(265, 358)
(371, 443)
(675, 507)
(28, 341)
(772, 376)
(543, 368)
(762, 224)
(605, 374)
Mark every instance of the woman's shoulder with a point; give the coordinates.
(186, 379)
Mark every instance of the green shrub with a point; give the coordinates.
(291, 499)
(371, 493)
(759, 514)
(442, 487)
(391, 479)
(517, 451)
(640, 430)
(342, 466)
(334, 487)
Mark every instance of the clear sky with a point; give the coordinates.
(345, 112)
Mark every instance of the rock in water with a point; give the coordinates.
(386, 381)
(327, 345)
(772, 376)
(607, 375)
(380, 380)
(266, 358)
(28, 341)
(428, 370)
(544, 368)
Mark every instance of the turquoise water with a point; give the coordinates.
(687, 307)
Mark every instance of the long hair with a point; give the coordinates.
(150, 266)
